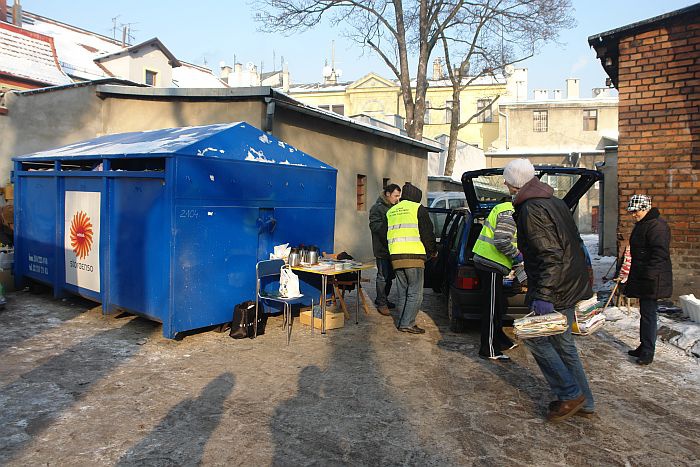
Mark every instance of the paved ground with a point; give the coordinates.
(77, 388)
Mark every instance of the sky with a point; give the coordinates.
(207, 32)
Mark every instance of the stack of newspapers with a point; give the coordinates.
(539, 326)
(589, 316)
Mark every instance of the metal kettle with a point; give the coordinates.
(313, 255)
(294, 258)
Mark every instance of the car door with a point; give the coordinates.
(447, 221)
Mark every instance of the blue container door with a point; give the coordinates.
(35, 230)
(139, 246)
(213, 265)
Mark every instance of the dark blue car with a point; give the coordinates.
(453, 272)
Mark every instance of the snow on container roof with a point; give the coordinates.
(236, 141)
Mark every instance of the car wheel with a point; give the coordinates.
(456, 324)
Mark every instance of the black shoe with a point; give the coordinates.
(413, 330)
(644, 360)
(391, 305)
(635, 353)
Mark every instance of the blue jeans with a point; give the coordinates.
(410, 289)
(558, 359)
(647, 326)
(385, 274)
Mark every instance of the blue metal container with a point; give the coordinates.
(167, 224)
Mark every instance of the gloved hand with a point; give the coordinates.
(540, 307)
(518, 259)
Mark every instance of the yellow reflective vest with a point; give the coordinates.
(403, 233)
(484, 246)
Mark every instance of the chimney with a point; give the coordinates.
(225, 70)
(601, 92)
(437, 69)
(541, 94)
(556, 94)
(125, 34)
(285, 78)
(16, 13)
(572, 88)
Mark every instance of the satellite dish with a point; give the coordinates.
(338, 73)
(509, 69)
(222, 64)
(327, 71)
(250, 66)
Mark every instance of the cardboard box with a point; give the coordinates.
(334, 318)
(9, 192)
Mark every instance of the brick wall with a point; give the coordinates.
(659, 142)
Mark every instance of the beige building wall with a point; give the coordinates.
(133, 66)
(77, 114)
(564, 126)
(380, 98)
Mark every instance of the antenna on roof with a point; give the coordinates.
(114, 26)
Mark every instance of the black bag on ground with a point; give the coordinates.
(243, 321)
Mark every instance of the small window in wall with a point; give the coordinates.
(150, 78)
(448, 111)
(539, 121)
(590, 120)
(385, 182)
(426, 116)
(361, 192)
(336, 108)
(487, 115)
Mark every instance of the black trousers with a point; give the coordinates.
(493, 339)
(647, 326)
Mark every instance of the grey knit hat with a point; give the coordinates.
(518, 172)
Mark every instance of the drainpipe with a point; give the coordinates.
(506, 118)
(269, 114)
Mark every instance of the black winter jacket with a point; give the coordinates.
(650, 272)
(555, 261)
(378, 226)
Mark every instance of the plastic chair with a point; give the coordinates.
(265, 272)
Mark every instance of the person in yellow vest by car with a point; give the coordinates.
(495, 253)
(411, 241)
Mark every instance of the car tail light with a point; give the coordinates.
(466, 279)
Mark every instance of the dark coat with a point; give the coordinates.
(378, 226)
(555, 261)
(650, 273)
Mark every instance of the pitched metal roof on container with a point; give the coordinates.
(234, 141)
(28, 55)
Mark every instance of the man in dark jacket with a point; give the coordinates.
(411, 241)
(650, 276)
(377, 225)
(557, 273)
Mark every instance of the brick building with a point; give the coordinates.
(655, 65)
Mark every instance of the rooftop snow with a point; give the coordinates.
(30, 56)
(237, 141)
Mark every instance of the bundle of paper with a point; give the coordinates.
(589, 316)
(588, 326)
(540, 326)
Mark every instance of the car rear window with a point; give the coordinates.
(491, 189)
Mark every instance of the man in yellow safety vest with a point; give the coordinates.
(495, 253)
(411, 241)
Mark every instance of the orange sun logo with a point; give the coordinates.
(81, 234)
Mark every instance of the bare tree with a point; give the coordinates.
(396, 30)
(487, 36)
